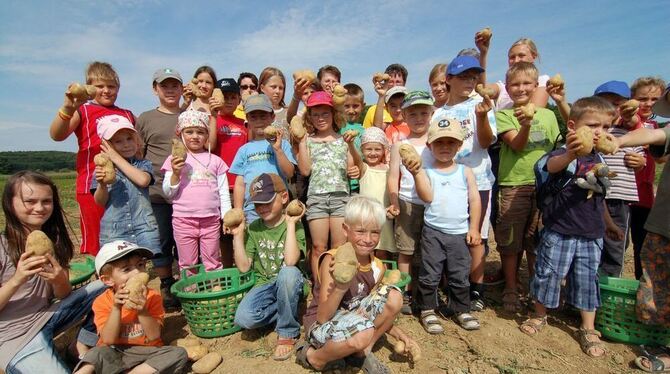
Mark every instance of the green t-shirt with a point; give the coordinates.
(265, 247)
(353, 183)
(516, 168)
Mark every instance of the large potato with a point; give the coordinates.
(346, 263)
(107, 166)
(585, 138)
(178, 149)
(83, 92)
(605, 145)
(270, 133)
(380, 77)
(39, 244)
(485, 33)
(186, 342)
(196, 352)
(295, 208)
(528, 110)
(218, 94)
(484, 91)
(135, 285)
(408, 154)
(233, 218)
(556, 81)
(306, 74)
(297, 128)
(207, 364)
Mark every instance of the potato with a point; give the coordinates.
(194, 88)
(408, 153)
(414, 351)
(178, 149)
(629, 106)
(484, 91)
(485, 33)
(528, 110)
(270, 133)
(556, 81)
(39, 244)
(233, 218)
(196, 352)
(339, 90)
(392, 277)
(351, 133)
(399, 347)
(83, 92)
(346, 263)
(306, 74)
(134, 286)
(297, 128)
(207, 364)
(107, 165)
(186, 342)
(585, 138)
(605, 145)
(380, 77)
(295, 208)
(218, 94)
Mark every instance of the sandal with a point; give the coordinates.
(533, 325)
(468, 321)
(284, 342)
(301, 359)
(511, 302)
(587, 345)
(431, 323)
(655, 362)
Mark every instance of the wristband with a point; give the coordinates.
(64, 116)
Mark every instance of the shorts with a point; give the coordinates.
(574, 258)
(485, 219)
(408, 226)
(326, 205)
(118, 359)
(518, 220)
(347, 323)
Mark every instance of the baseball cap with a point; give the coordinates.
(113, 251)
(662, 106)
(192, 118)
(443, 126)
(228, 85)
(616, 87)
(394, 91)
(265, 187)
(109, 125)
(258, 102)
(417, 98)
(463, 63)
(320, 98)
(165, 73)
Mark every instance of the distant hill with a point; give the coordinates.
(11, 162)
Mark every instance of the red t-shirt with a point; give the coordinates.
(231, 134)
(396, 131)
(644, 178)
(89, 142)
(132, 332)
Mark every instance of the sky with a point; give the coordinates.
(45, 45)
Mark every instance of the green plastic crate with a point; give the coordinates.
(616, 318)
(405, 278)
(82, 271)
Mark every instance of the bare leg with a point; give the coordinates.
(142, 369)
(332, 351)
(384, 321)
(588, 323)
(337, 237)
(509, 265)
(478, 261)
(404, 265)
(319, 230)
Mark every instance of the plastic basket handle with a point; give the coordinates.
(184, 271)
(392, 264)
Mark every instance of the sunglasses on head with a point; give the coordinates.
(248, 87)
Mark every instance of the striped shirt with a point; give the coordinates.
(623, 185)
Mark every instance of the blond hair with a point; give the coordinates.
(363, 210)
(647, 81)
(530, 44)
(589, 105)
(522, 67)
(102, 71)
(265, 76)
(437, 70)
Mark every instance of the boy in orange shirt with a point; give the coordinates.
(129, 329)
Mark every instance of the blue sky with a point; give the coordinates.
(44, 45)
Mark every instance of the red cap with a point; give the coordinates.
(320, 98)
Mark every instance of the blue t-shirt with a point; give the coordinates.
(448, 212)
(253, 159)
(353, 183)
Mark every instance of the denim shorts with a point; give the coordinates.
(326, 205)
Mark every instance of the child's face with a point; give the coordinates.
(124, 141)
(33, 204)
(230, 102)
(444, 149)
(520, 88)
(396, 80)
(394, 107)
(205, 84)
(328, 82)
(306, 94)
(169, 92)
(373, 153)
(107, 91)
(247, 88)
(322, 118)
(194, 138)
(518, 53)
(461, 85)
(647, 96)
(258, 120)
(438, 86)
(363, 236)
(353, 107)
(272, 211)
(599, 122)
(274, 89)
(418, 118)
(123, 269)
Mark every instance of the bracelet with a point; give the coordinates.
(64, 116)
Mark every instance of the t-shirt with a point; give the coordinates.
(623, 186)
(231, 134)
(89, 141)
(353, 183)
(239, 112)
(26, 312)
(131, 332)
(406, 190)
(374, 184)
(370, 116)
(199, 192)
(255, 158)
(157, 129)
(645, 176)
(448, 211)
(329, 167)
(516, 168)
(472, 154)
(658, 221)
(265, 247)
(396, 131)
(505, 101)
(571, 212)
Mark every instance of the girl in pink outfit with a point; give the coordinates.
(198, 188)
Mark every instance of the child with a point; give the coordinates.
(479, 125)
(398, 75)
(406, 206)
(206, 77)
(372, 180)
(29, 317)
(81, 117)
(271, 247)
(392, 98)
(273, 84)
(324, 157)
(156, 128)
(130, 329)
(198, 188)
(345, 320)
(525, 140)
(354, 103)
(258, 155)
(451, 224)
(128, 212)
(437, 79)
(572, 237)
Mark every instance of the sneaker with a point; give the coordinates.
(406, 304)
(169, 300)
(476, 302)
(468, 321)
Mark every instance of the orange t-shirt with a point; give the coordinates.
(396, 131)
(132, 332)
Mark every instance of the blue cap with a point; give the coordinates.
(616, 87)
(463, 63)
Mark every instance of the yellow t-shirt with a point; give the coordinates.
(239, 113)
(370, 116)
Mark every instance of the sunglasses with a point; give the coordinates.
(248, 87)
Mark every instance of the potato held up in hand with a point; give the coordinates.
(83, 92)
(233, 218)
(345, 264)
(605, 145)
(218, 94)
(135, 285)
(408, 154)
(351, 133)
(485, 33)
(39, 244)
(306, 74)
(295, 208)
(194, 88)
(297, 128)
(556, 81)
(270, 133)
(178, 149)
(629, 107)
(484, 91)
(380, 77)
(107, 166)
(528, 110)
(585, 138)
(339, 93)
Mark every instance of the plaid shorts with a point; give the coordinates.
(347, 323)
(574, 258)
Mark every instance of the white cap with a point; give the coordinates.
(393, 91)
(115, 250)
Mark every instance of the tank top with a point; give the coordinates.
(448, 212)
(407, 192)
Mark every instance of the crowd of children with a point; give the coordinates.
(418, 178)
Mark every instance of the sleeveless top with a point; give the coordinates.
(448, 212)
(329, 167)
(373, 184)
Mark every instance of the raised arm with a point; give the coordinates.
(67, 118)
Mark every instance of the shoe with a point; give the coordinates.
(468, 321)
(431, 323)
(476, 302)
(406, 304)
(169, 300)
